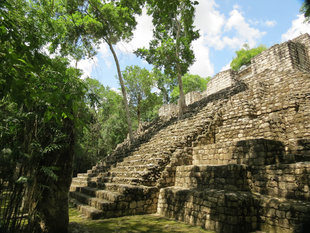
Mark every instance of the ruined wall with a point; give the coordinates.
(168, 110)
(192, 97)
(305, 40)
(220, 81)
(254, 158)
(251, 170)
(288, 56)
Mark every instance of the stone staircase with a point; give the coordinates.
(232, 164)
(128, 181)
(238, 160)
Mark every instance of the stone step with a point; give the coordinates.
(126, 180)
(86, 175)
(125, 173)
(78, 182)
(86, 210)
(127, 188)
(144, 161)
(102, 194)
(134, 168)
(98, 203)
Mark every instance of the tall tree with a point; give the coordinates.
(87, 23)
(164, 84)
(138, 82)
(174, 32)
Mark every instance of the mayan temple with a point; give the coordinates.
(237, 161)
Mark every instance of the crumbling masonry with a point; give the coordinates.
(238, 161)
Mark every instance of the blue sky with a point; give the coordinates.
(224, 26)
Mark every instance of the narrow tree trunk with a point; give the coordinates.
(182, 105)
(138, 110)
(123, 91)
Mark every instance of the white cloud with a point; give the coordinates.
(297, 28)
(105, 53)
(202, 66)
(142, 35)
(270, 23)
(244, 32)
(219, 32)
(86, 65)
(209, 20)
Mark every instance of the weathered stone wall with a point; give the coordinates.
(305, 40)
(192, 97)
(217, 210)
(234, 212)
(257, 152)
(289, 181)
(168, 110)
(291, 55)
(220, 81)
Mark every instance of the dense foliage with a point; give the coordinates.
(190, 83)
(245, 55)
(139, 83)
(41, 108)
(106, 126)
(305, 9)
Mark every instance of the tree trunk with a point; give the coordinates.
(182, 105)
(138, 110)
(123, 92)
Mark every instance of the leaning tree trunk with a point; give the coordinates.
(52, 206)
(182, 105)
(123, 91)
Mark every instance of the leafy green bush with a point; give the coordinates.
(245, 55)
(190, 83)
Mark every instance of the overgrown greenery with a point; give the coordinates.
(106, 126)
(245, 55)
(190, 83)
(139, 83)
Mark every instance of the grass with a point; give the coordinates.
(131, 224)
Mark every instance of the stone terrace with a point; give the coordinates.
(238, 161)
